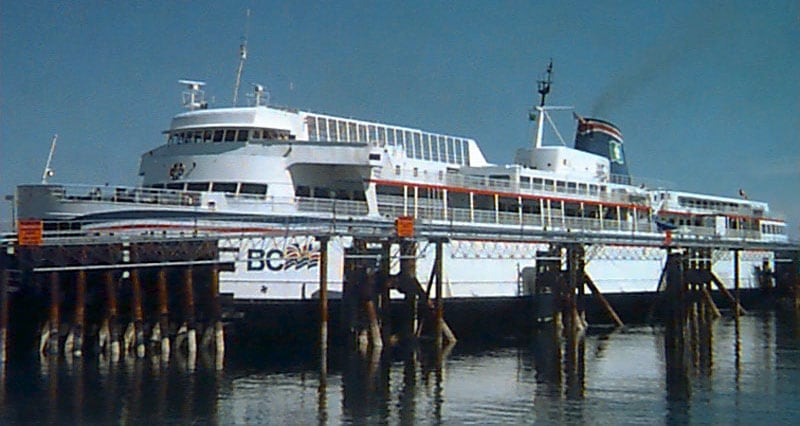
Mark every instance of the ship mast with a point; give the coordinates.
(544, 89)
(48, 171)
(242, 58)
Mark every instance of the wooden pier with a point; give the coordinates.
(160, 295)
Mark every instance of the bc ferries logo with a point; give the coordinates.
(293, 256)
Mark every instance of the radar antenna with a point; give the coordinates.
(544, 84)
(48, 171)
(242, 58)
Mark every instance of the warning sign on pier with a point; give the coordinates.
(405, 226)
(29, 232)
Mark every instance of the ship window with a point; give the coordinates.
(375, 157)
(332, 129)
(224, 186)
(197, 186)
(343, 131)
(410, 151)
(372, 136)
(416, 172)
(302, 191)
(362, 133)
(426, 148)
(352, 134)
(157, 186)
(218, 135)
(175, 185)
(207, 136)
(572, 186)
(312, 128)
(397, 170)
(390, 137)
(230, 135)
(548, 185)
(418, 147)
(253, 188)
(525, 181)
(322, 128)
(382, 136)
(465, 147)
(242, 135)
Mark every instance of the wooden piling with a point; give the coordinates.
(137, 313)
(80, 312)
(4, 279)
(408, 273)
(189, 313)
(439, 296)
(384, 303)
(163, 312)
(110, 322)
(216, 318)
(323, 303)
(736, 281)
(55, 311)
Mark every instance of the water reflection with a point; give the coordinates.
(724, 372)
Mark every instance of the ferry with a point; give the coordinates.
(269, 180)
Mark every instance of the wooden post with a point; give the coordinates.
(603, 302)
(4, 278)
(80, 311)
(111, 315)
(439, 301)
(408, 273)
(736, 281)
(737, 307)
(163, 312)
(323, 304)
(216, 315)
(55, 311)
(188, 312)
(137, 313)
(385, 302)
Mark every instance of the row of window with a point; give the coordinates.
(773, 229)
(229, 187)
(329, 193)
(486, 202)
(707, 204)
(227, 135)
(420, 145)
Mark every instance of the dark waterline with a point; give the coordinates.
(619, 377)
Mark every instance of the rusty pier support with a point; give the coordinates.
(4, 279)
(163, 313)
(408, 276)
(49, 338)
(323, 305)
(108, 337)
(189, 325)
(77, 332)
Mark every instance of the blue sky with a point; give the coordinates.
(706, 93)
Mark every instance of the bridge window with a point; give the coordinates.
(224, 187)
(253, 188)
(197, 186)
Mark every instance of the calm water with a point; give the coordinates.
(619, 377)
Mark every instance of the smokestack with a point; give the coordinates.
(604, 139)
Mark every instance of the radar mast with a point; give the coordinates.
(242, 58)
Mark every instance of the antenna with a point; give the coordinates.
(544, 85)
(242, 58)
(47, 170)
